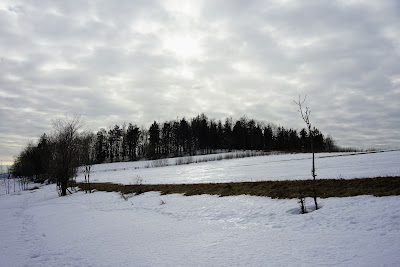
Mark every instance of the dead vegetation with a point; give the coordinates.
(379, 186)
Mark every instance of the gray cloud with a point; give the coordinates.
(139, 61)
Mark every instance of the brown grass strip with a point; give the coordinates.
(379, 186)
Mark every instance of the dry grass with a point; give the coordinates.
(379, 186)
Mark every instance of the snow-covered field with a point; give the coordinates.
(38, 228)
(273, 167)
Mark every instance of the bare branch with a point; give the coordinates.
(305, 114)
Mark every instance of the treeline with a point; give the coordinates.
(56, 157)
(201, 135)
(180, 137)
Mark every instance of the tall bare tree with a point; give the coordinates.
(305, 114)
(65, 160)
(87, 156)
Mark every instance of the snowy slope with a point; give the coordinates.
(272, 167)
(38, 228)
(102, 229)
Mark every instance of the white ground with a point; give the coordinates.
(38, 228)
(274, 167)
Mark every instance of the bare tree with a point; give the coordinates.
(305, 114)
(64, 162)
(87, 156)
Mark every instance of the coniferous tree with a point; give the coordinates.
(304, 141)
(166, 137)
(154, 135)
(184, 136)
(203, 133)
(227, 135)
(116, 135)
(43, 157)
(250, 134)
(100, 150)
(220, 135)
(143, 144)
(293, 140)
(124, 142)
(238, 136)
(318, 140)
(175, 137)
(132, 139)
(181, 137)
(195, 127)
(268, 138)
(213, 141)
(111, 144)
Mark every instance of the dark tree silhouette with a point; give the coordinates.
(166, 138)
(132, 137)
(227, 142)
(268, 138)
(184, 136)
(101, 148)
(154, 133)
(172, 138)
(64, 162)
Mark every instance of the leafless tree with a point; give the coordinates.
(87, 156)
(86, 172)
(65, 161)
(305, 114)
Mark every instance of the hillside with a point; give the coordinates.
(262, 168)
(108, 229)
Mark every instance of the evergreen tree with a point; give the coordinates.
(203, 132)
(268, 138)
(43, 157)
(304, 141)
(239, 136)
(184, 136)
(318, 140)
(154, 134)
(100, 150)
(132, 139)
(213, 141)
(124, 143)
(166, 138)
(227, 142)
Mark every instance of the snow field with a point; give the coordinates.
(38, 228)
(102, 229)
(261, 168)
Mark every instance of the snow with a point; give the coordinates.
(102, 229)
(261, 168)
(38, 228)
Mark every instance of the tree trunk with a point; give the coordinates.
(64, 186)
(88, 178)
(85, 183)
(313, 173)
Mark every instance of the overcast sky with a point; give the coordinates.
(140, 61)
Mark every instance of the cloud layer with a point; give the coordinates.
(139, 61)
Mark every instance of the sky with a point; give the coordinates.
(139, 61)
